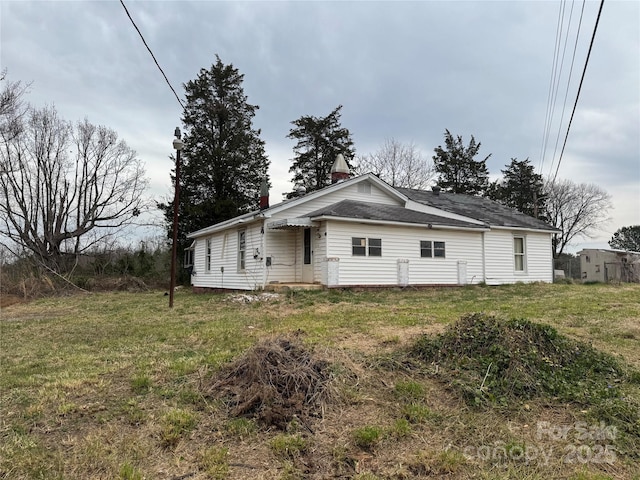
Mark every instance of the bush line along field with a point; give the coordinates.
(116, 385)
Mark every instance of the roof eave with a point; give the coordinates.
(527, 229)
(429, 226)
(245, 219)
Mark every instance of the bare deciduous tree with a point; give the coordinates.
(400, 165)
(65, 188)
(577, 210)
(12, 106)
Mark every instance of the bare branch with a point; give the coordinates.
(68, 188)
(577, 210)
(400, 165)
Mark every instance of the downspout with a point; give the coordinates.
(484, 260)
(263, 260)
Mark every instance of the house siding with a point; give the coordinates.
(403, 243)
(224, 255)
(499, 255)
(350, 192)
(283, 258)
(319, 236)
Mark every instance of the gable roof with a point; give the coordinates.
(471, 208)
(292, 202)
(392, 192)
(357, 210)
(488, 211)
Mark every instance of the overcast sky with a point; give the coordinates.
(402, 70)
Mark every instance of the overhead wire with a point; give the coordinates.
(152, 55)
(554, 65)
(584, 71)
(557, 85)
(566, 92)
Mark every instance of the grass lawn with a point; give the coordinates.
(117, 386)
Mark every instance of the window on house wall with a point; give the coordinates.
(307, 246)
(188, 257)
(375, 247)
(360, 247)
(242, 249)
(429, 249)
(207, 256)
(519, 256)
(426, 250)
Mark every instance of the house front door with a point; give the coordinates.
(307, 257)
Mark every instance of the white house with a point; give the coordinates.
(363, 232)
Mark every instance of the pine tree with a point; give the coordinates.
(520, 188)
(320, 140)
(223, 160)
(626, 238)
(457, 170)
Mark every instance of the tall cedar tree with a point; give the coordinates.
(223, 160)
(626, 238)
(457, 170)
(320, 140)
(520, 188)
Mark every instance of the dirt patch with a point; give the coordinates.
(6, 300)
(385, 339)
(277, 380)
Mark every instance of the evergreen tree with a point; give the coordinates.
(223, 160)
(520, 188)
(626, 238)
(457, 170)
(320, 140)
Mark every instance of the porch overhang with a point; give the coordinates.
(291, 223)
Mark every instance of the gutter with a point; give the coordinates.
(431, 226)
(526, 229)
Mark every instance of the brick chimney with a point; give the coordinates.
(264, 194)
(340, 170)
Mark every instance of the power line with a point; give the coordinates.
(152, 55)
(550, 95)
(566, 92)
(584, 71)
(557, 85)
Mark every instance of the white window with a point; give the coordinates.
(207, 256)
(519, 254)
(242, 249)
(364, 187)
(429, 249)
(360, 246)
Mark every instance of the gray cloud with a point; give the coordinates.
(406, 70)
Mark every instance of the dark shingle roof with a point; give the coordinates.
(479, 208)
(392, 213)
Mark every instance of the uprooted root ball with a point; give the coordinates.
(275, 381)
